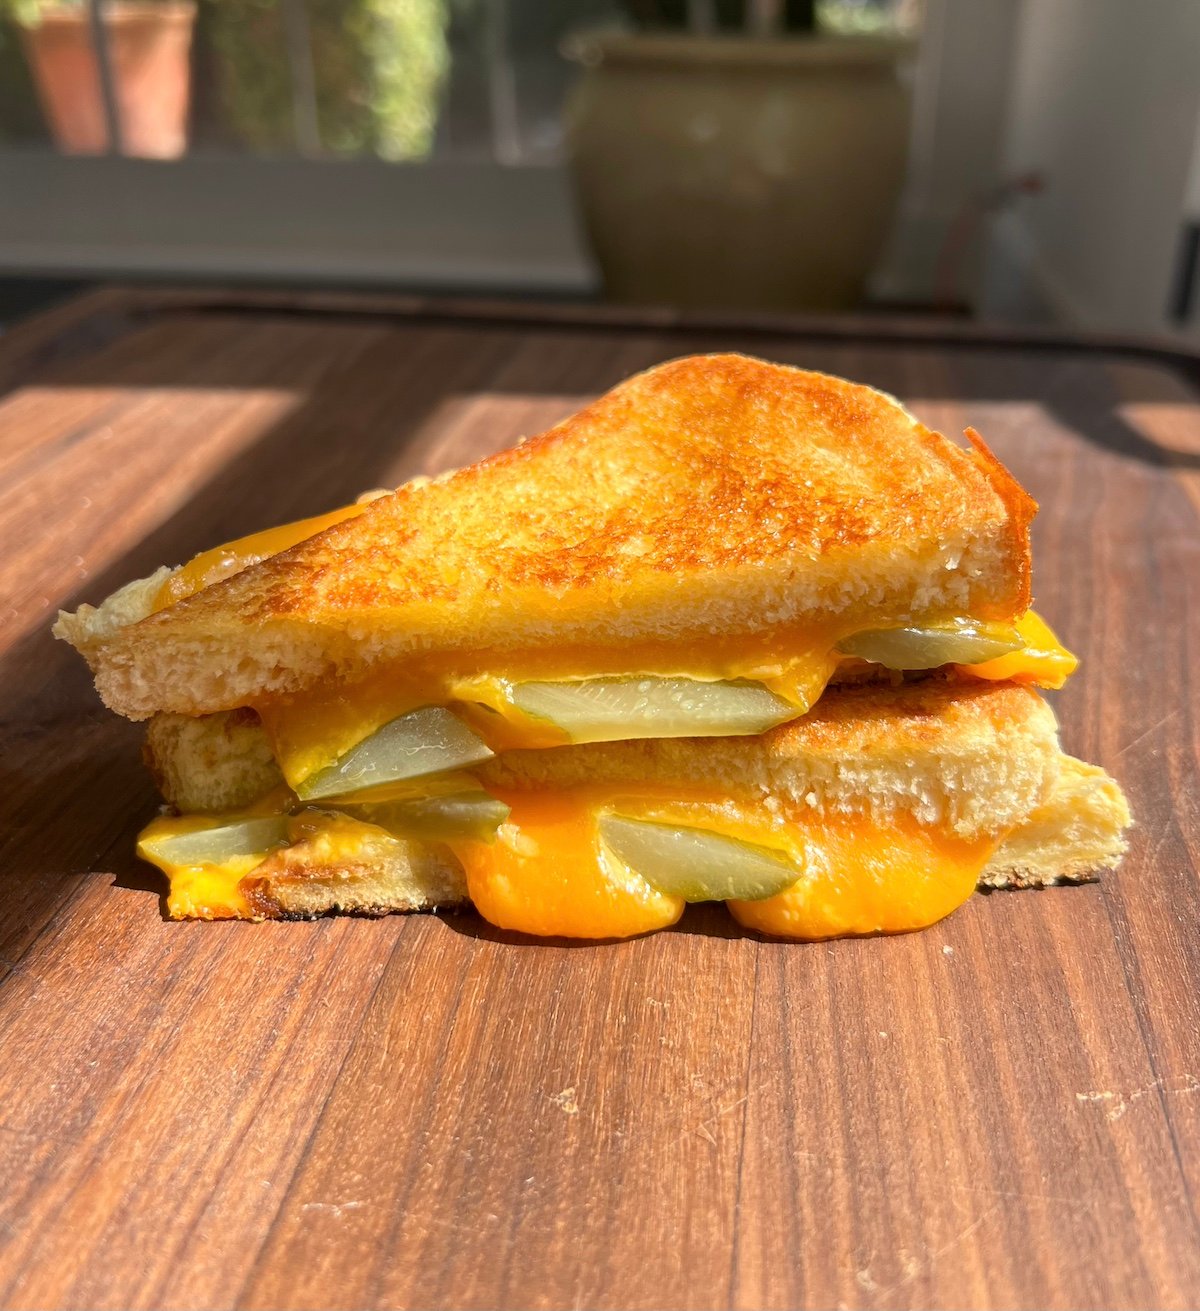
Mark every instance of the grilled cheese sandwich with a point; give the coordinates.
(708, 560)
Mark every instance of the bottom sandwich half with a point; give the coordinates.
(881, 810)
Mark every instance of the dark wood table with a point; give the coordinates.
(424, 1112)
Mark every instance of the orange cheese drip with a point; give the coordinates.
(544, 875)
(199, 891)
(548, 875)
(864, 878)
(1042, 661)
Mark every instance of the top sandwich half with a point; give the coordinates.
(716, 518)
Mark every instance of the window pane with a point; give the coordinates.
(391, 79)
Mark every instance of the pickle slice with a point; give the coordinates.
(475, 814)
(695, 864)
(218, 845)
(425, 741)
(927, 646)
(614, 709)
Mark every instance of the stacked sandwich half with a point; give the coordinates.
(733, 632)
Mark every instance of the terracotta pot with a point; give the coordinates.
(735, 172)
(149, 48)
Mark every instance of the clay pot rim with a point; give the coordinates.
(119, 13)
(732, 51)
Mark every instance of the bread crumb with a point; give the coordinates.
(566, 1101)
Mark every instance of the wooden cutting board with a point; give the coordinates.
(425, 1112)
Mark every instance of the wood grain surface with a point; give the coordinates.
(424, 1112)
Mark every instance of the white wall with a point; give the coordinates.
(961, 85)
(438, 224)
(1104, 103)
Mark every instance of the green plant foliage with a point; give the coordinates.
(255, 90)
(865, 17)
(378, 68)
(20, 115)
(409, 60)
(28, 11)
(21, 11)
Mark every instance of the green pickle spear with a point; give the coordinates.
(696, 864)
(928, 646)
(613, 709)
(474, 814)
(219, 844)
(426, 741)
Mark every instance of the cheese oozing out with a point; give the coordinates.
(548, 872)
(550, 875)
(1042, 662)
(310, 730)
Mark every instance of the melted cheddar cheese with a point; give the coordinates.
(546, 875)
(1042, 661)
(861, 878)
(310, 730)
(209, 892)
(203, 892)
(549, 875)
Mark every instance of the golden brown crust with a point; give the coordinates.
(670, 439)
(303, 896)
(711, 494)
(941, 707)
(1021, 509)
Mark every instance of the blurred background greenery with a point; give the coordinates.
(377, 69)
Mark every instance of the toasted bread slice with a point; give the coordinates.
(1075, 834)
(977, 756)
(210, 762)
(714, 495)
